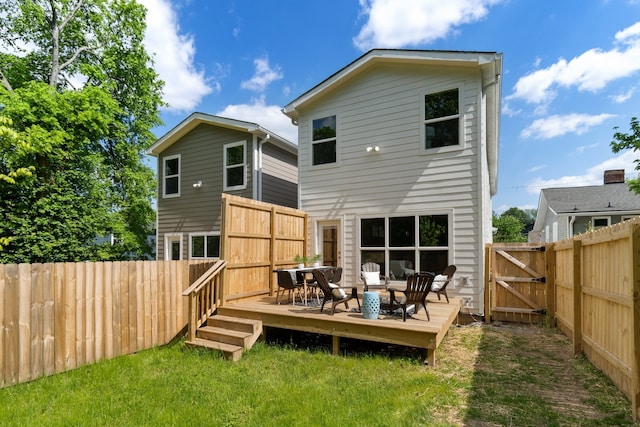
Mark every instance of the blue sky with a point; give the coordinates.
(571, 69)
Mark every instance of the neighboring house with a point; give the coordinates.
(201, 158)
(565, 212)
(398, 158)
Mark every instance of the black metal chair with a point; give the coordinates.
(287, 281)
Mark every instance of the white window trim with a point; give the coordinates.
(336, 138)
(386, 248)
(168, 238)
(244, 166)
(164, 177)
(191, 235)
(461, 116)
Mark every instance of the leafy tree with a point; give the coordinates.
(81, 101)
(623, 141)
(512, 225)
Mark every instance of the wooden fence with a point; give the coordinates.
(56, 317)
(593, 297)
(597, 289)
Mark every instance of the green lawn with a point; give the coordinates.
(485, 376)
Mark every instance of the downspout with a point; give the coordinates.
(259, 174)
(571, 221)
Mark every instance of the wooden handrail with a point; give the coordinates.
(203, 296)
(199, 283)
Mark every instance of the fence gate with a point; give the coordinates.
(517, 287)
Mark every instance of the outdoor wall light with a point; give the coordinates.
(197, 184)
(375, 149)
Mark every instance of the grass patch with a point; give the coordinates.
(485, 376)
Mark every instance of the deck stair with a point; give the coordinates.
(230, 335)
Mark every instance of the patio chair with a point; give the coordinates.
(418, 287)
(312, 287)
(441, 281)
(287, 281)
(337, 275)
(334, 293)
(372, 277)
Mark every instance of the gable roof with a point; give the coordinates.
(195, 119)
(490, 64)
(593, 199)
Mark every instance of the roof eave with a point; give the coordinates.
(195, 119)
(359, 65)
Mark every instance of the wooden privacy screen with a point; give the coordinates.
(56, 317)
(255, 239)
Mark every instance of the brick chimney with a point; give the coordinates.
(615, 176)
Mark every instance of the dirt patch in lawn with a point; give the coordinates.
(528, 375)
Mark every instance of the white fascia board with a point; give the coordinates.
(457, 58)
(195, 119)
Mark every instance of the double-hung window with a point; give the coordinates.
(406, 244)
(442, 119)
(235, 166)
(206, 245)
(323, 141)
(171, 176)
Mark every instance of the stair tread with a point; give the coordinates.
(235, 319)
(216, 345)
(224, 331)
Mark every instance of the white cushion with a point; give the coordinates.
(438, 282)
(337, 291)
(371, 277)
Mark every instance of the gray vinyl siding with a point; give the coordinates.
(198, 210)
(279, 176)
(384, 107)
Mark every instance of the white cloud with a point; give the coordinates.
(593, 176)
(583, 148)
(263, 76)
(590, 71)
(558, 125)
(269, 117)
(623, 97)
(399, 23)
(173, 54)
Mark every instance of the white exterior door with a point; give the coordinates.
(173, 247)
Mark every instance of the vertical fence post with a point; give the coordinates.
(577, 296)
(487, 283)
(635, 282)
(550, 283)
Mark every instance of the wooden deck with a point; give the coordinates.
(415, 332)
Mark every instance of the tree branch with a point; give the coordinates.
(71, 14)
(73, 58)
